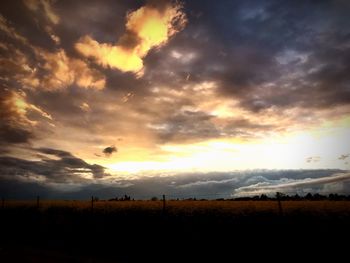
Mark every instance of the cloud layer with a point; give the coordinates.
(69, 181)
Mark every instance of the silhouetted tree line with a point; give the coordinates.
(123, 198)
(262, 197)
(296, 197)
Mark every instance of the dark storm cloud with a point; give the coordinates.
(245, 128)
(108, 151)
(186, 125)
(196, 125)
(55, 166)
(264, 53)
(289, 31)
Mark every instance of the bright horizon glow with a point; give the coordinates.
(323, 144)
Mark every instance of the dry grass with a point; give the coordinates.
(173, 207)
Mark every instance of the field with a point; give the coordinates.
(134, 231)
(234, 208)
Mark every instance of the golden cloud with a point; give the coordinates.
(64, 71)
(16, 108)
(146, 28)
(61, 70)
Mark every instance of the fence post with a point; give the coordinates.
(278, 196)
(92, 203)
(163, 204)
(37, 201)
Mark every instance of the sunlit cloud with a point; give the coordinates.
(146, 28)
(60, 70)
(49, 30)
(17, 105)
(19, 118)
(64, 71)
(85, 107)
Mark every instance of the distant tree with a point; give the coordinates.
(296, 197)
(154, 198)
(263, 197)
(309, 196)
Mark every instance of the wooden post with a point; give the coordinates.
(92, 203)
(278, 196)
(163, 204)
(2, 203)
(37, 201)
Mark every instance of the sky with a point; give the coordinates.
(150, 97)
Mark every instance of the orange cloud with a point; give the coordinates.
(64, 71)
(16, 109)
(146, 28)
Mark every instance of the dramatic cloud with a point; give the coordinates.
(146, 28)
(109, 150)
(53, 166)
(46, 70)
(225, 86)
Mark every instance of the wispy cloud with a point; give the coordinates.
(343, 156)
(313, 159)
(44, 6)
(11, 31)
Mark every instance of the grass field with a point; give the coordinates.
(135, 231)
(234, 208)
